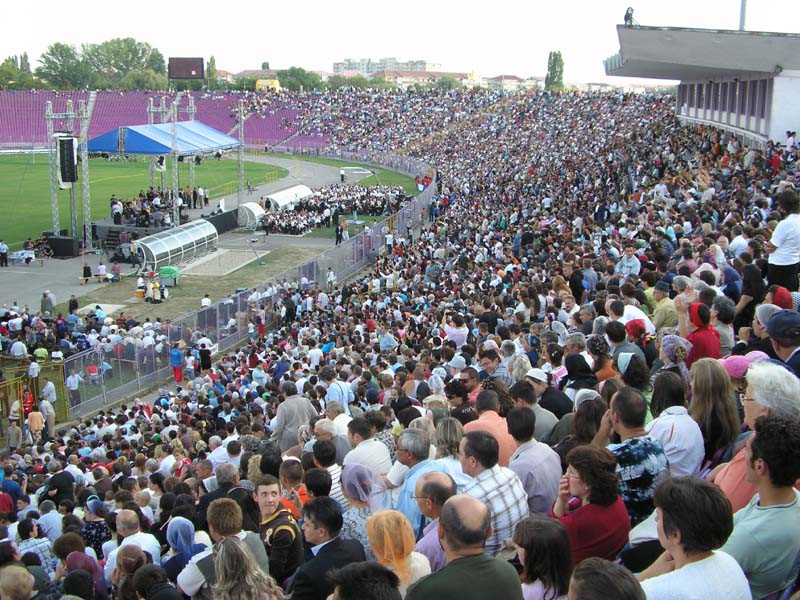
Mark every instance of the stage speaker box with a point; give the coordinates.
(67, 159)
(64, 247)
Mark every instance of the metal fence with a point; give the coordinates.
(111, 373)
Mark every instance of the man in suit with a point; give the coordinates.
(322, 522)
(227, 477)
(783, 329)
(465, 524)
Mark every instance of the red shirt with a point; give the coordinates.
(705, 344)
(596, 530)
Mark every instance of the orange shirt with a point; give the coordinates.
(496, 425)
(302, 493)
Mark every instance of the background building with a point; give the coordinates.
(367, 66)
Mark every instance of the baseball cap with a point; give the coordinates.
(537, 374)
(784, 324)
(735, 365)
(662, 286)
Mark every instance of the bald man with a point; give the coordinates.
(431, 492)
(128, 528)
(465, 523)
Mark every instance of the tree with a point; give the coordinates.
(554, 80)
(62, 67)
(25, 63)
(447, 83)
(211, 73)
(144, 79)
(296, 78)
(245, 84)
(336, 81)
(379, 83)
(265, 66)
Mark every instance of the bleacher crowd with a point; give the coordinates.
(581, 376)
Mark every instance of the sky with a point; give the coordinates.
(488, 38)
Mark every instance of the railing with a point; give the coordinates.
(131, 368)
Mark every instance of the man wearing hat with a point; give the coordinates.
(783, 329)
(664, 314)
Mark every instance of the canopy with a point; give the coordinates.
(288, 197)
(193, 137)
(178, 245)
(250, 213)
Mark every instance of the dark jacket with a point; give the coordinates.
(207, 499)
(310, 582)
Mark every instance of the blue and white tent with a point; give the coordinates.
(193, 137)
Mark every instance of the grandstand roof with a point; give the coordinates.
(193, 137)
(694, 54)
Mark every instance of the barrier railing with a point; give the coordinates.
(133, 366)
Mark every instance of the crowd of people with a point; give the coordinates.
(579, 379)
(331, 206)
(154, 207)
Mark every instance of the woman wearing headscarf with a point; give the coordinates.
(579, 375)
(80, 560)
(704, 338)
(180, 537)
(637, 334)
(391, 538)
(674, 350)
(365, 490)
(732, 287)
(94, 530)
(756, 338)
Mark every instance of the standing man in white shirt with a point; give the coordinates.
(73, 384)
(784, 245)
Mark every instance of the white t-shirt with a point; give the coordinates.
(632, 313)
(787, 239)
(682, 439)
(718, 577)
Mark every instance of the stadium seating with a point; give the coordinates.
(22, 115)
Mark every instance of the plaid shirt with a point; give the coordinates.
(42, 548)
(502, 491)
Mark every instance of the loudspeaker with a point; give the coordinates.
(67, 159)
(64, 247)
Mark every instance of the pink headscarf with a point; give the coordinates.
(80, 560)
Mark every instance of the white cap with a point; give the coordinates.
(537, 374)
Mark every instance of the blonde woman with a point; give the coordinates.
(239, 577)
(392, 540)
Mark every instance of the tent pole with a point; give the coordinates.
(240, 155)
(175, 185)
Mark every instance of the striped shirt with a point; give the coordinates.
(336, 486)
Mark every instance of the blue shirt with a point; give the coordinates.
(406, 502)
(175, 357)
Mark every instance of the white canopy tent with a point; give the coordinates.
(250, 214)
(288, 197)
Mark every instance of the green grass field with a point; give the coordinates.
(25, 189)
(381, 177)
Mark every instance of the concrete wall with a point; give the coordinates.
(785, 105)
